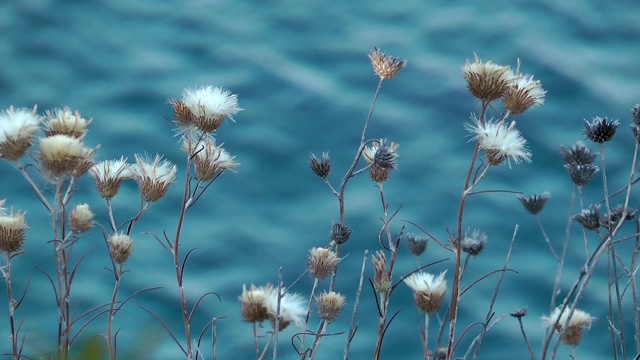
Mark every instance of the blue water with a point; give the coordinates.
(301, 72)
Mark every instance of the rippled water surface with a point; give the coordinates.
(301, 71)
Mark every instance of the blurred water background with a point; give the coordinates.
(301, 71)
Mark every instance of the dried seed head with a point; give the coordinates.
(600, 130)
(292, 309)
(322, 262)
(340, 233)
(204, 109)
(534, 203)
(428, 290)
(253, 303)
(635, 115)
(381, 279)
(65, 122)
(417, 244)
(581, 175)
(17, 128)
(499, 141)
(12, 227)
(523, 94)
(579, 154)
(589, 218)
(63, 155)
(473, 242)
(80, 218)
(109, 174)
(571, 332)
(209, 160)
(321, 167)
(382, 156)
(440, 353)
(121, 246)
(385, 66)
(329, 305)
(520, 313)
(487, 81)
(153, 176)
(611, 220)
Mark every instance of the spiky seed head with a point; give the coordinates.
(109, 174)
(428, 290)
(63, 155)
(417, 244)
(487, 81)
(17, 129)
(81, 218)
(385, 66)
(589, 218)
(204, 109)
(499, 141)
(581, 175)
(571, 332)
(523, 94)
(611, 220)
(322, 262)
(578, 154)
(473, 242)
(209, 159)
(121, 247)
(329, 305)
(321, 167)
(381, 156)
(340, 233)
(600, 130)
(66, 122)
(12, 228)
(381, 279)
(535, 203)
(292, 309)
(153, 176)
(253, 303)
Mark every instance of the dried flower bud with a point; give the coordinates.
(17, 128)
(64, 122)
(253, 303)
(600, 130)
(109, 174)
(534, 203)
(120, 246)
(571, 334)
(589, 218)
(80, 218)
(329, 305)
(428, 290)
(473, 242)
(322, 262)
(440, 353)
(417, 244)
(153, 176)
(385, 66)
(487, 81)
(579, 154)
(581, 175)
(321, 167)
(381, 279)
(62, 155)
(340, 233)
(382, 156)
(12, 227)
